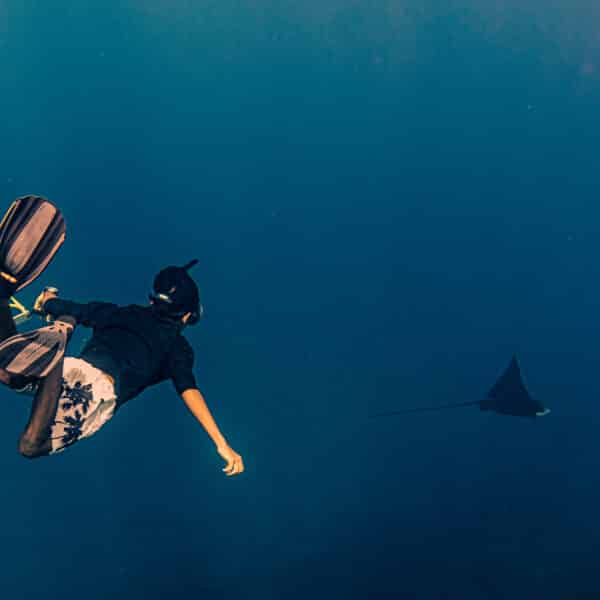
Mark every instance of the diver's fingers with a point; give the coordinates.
(235, 468)
(41, 299)
(37, 305)
(229, 466)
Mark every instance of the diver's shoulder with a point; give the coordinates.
(183, 344)
(181, 339)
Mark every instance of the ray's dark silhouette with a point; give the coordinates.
(508, 396)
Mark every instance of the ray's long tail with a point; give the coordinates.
(422, 410)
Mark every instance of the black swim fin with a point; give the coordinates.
(35, 353)
(31, 233)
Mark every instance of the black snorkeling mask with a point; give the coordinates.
(176, 294)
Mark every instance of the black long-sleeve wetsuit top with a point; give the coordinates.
(132, 344)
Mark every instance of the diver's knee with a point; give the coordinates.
(30, 448)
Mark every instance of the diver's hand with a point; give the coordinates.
(235, 464)
(41, 299)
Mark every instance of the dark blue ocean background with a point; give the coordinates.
(388, 198)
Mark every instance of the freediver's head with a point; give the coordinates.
(176, 294)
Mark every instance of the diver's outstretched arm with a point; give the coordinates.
(197, 405)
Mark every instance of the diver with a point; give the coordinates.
(132, 347)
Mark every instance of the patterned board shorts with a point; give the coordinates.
(87, 402)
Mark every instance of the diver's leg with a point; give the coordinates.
(7, 323)
(35, 440)
(74, 402)
(7, 329)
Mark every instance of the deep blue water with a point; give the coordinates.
(388, 198)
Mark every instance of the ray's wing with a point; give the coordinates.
(509, 396)
(510, 385)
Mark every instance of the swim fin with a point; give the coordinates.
(35, 353)
(31, 233)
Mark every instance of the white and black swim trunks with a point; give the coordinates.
(87, 402)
